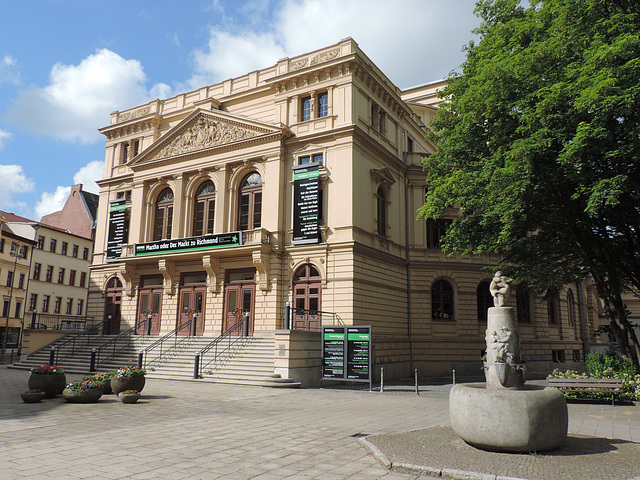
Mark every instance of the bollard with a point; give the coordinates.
(287, 316)
(196, 366)
(416, 374)
(33, 319)
(246, 324)
(454, 376)
(149, 317)
(381, 379)
(193, 324)
(52, 356)
(140, 358)
(92, 366)
(108, 324)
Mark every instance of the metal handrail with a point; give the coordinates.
(200, 365)
(128, 333)
(335, 318)
(160, 342)
(72, 341)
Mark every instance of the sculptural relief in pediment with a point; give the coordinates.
(207, 132)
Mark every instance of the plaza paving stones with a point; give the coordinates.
(194, 430)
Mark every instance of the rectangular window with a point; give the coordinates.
(49, 273)
(83, 279)
(69, 306)
(33, 302)
(378, 119)
(9, 278)
(436, 229)
(61, 275)
(306, 109)
(80, 307)
(125, 153)
(18, 309)
(72, 278)
(57, 304)
(45, 303)
(40, 242)
(315, 158)
(85, 253)
(1, 245)
(74, 251)
(323, 104)
(5, 308)
(52, 245)
(136, 147)
(523, 305)
(21, 281)
(65, 246)
(36, 271)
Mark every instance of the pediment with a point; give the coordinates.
(203, 131)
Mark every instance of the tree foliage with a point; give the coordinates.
(539, 147)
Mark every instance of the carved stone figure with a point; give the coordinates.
(500, 289)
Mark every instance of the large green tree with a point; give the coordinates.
(539, 146)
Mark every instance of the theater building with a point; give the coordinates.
(300, 183)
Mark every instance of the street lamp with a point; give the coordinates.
(16, 252)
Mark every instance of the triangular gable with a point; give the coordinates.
(205, 130)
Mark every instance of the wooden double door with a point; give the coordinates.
(149, 304)
(192, 302)
(239, 299)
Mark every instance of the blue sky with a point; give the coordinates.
(65, 65)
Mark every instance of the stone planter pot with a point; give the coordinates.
(90, 395)
(32, 397)
(52, 384)
(106, 388)
(130, 382)
(128, 397)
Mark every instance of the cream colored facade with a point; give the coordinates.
(374, 263)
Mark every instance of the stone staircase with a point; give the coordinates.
(243, 361)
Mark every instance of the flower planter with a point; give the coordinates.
(127, 382)
(129, 397)
(32, 397)
(89, 395)
(52, 384)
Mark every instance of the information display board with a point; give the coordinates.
(190, 243)
(117, 228)
(346, 353)
(306, 204)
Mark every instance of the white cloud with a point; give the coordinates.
(88, 175)
(13, 181)
(414, 42)
(8, 72)
(79, 98)
(52, 202)
(4, 136)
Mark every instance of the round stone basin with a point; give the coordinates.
(531, 419)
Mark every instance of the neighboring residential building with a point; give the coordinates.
(300, 183)
(78, 215)
(59, 276)
(15, 257)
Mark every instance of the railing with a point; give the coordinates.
(161, 342)
(65, 323)
(76, 343)
(118, 344)
(313, 320)
(222, 344)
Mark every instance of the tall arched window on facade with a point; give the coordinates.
(571, 307)
(484, 300)
(381, 204)
(163, 215)
(250, 204)
(205, 207)
(442, 300)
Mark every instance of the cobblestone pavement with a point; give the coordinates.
(196, 430)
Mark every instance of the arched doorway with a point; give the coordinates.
(307, 288)
(112, 307)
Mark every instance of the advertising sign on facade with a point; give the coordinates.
(117, 228)
(306, 204)
(346, 353)
(190, 243)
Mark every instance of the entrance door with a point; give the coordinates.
(149, 302)
(307, 286)
(113, 303)
(239, 298)
(192, 302)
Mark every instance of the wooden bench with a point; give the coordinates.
(588, 385)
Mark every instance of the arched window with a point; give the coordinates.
(442, 300)
(250, 204)
(523, 304)
(484, 300)
(381, 204)
(205, 207)
(571, 307)
(163, 215)
(307, 289)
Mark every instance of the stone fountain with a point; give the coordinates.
(503, 414)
